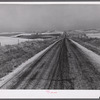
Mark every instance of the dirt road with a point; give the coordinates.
(63, 67)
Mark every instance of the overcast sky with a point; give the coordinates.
(48, 17)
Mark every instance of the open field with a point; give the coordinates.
(11, 41)
(13, 55)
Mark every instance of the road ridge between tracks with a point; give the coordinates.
(26, 64)
(93, 57)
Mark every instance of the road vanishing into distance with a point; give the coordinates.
(64, 66)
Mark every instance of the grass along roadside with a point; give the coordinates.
(11, 56)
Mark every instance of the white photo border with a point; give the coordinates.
(39, 94)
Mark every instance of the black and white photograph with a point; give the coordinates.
(50, 46)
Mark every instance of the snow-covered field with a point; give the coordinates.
(11, 41)
(96, 35)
